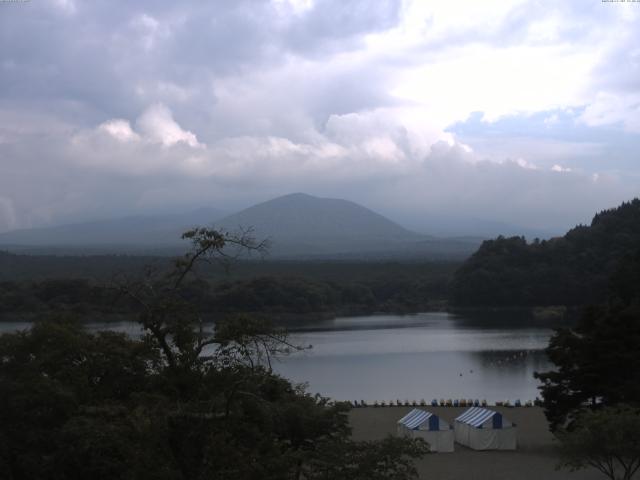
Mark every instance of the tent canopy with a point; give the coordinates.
(483, 429)
(477, 416)
(418, 419)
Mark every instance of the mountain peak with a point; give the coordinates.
(296, 195)
(319, 224)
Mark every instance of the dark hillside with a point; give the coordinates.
(570, 270)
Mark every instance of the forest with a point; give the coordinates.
(571, 270)
(275, 289)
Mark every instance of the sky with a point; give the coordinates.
(520, 112)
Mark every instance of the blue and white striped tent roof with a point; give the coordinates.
(416, 418)
(476, 416)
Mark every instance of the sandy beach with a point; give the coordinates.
(534, 459)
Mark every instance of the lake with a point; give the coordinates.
(427, 355)
(410, 357)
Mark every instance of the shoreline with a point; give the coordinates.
(535, 315)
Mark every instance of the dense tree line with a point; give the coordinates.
(300, 295)
(102, 268)
(267, 295)
(23, 267)
(570, 270)
(84, 285)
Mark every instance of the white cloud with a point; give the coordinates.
(612, 109)
(114, 166)
(119, 129)
(522, 163)
(296, 7)
(157, 124)
(498, 82)
(66, 6)
(150, 30)
(560, 168)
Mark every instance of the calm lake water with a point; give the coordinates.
(410, 357)
(428, 355)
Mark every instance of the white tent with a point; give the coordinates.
(483, 429)
(431, 428)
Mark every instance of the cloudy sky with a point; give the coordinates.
(524, 112)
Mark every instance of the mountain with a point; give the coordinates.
(301, 225)
(136, 232)
(297, 226)
(571, 270)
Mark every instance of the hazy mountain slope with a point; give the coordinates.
(302, 224)
(301, 215)
(156, 231)
(297, 226)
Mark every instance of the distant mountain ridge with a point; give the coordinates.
(303, 226)
(297, 226)
(153, 231)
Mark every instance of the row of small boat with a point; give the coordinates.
(445, 403)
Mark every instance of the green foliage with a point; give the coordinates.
(104, 406)
(55, 374)
(570, 270)
(179, 403)
(596, 361)
(607, 439)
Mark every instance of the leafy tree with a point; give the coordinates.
(178, 403)
(607, 439)
(56, 378)
(596, 360)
